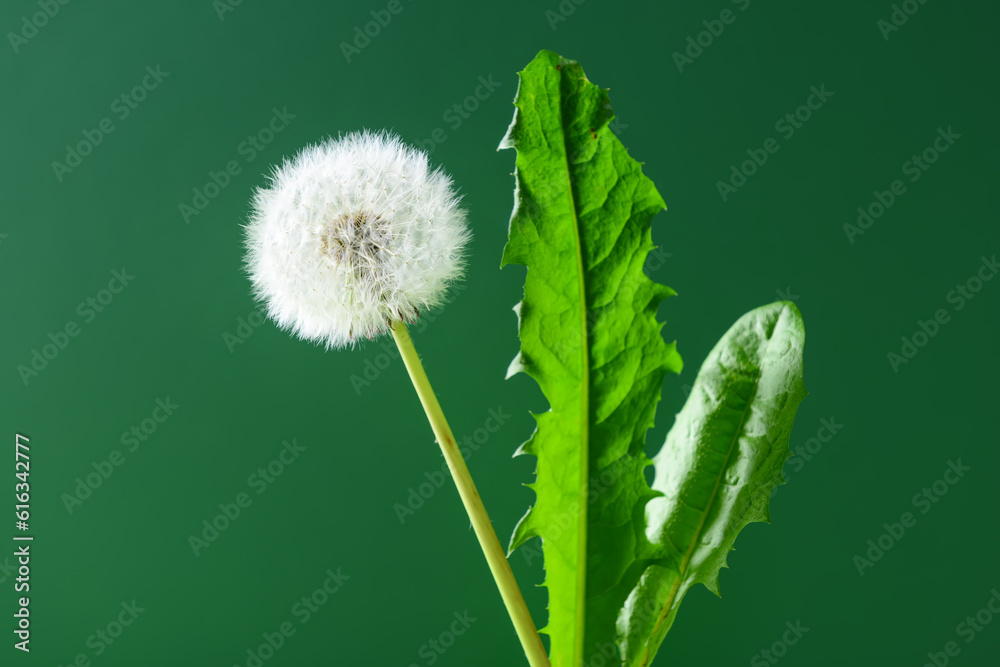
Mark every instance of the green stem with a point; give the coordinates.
(481, 523)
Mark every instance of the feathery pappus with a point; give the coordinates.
(353, 234)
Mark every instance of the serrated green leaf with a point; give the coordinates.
(722, 459)
(590, 338)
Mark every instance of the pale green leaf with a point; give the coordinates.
(722, 459)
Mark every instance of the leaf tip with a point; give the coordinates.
(524, 531)
(516, 366)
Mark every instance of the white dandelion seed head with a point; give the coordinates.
(353, 234)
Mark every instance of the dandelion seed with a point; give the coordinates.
(352, 235)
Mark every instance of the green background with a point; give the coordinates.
(367, 446)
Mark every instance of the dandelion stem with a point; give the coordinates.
(495, 555)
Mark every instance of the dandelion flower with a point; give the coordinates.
(354, 234)
(354, 237)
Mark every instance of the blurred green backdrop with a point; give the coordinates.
(208, 83)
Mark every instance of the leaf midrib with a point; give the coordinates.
(581, 583)
(704, 517)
